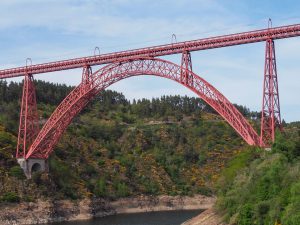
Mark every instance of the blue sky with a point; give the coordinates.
(51, 30)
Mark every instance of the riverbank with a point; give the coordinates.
(208, 217)
(66, 210)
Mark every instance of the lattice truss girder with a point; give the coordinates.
(157, 51)
(98, 81)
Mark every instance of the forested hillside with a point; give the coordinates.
(260, 187)
(170, 145)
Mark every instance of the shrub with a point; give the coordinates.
(122, 190)
(100, 188)
(17, 172)
(204, 191)
(101, 162)
(10, 197)
(245, 215)
(27, 198)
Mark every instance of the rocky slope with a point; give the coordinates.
(65, 210)
(208, 217)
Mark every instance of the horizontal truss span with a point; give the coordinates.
(161, 50)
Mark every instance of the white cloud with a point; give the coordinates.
(102, 18)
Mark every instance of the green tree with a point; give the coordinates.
(100, 188)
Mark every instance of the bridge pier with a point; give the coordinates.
(33, 165)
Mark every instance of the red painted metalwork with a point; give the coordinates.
(86, 77)
(108, 75)
(270, 117)
(29, 124)
(138, 62)
(86, 74)
(161, 50)
(186, 63)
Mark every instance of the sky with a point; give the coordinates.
(51, 30)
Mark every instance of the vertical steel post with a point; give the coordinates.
(186, 68)
(86, 78)
(270, 116)
(29, 121)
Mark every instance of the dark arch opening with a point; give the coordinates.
(36, 167)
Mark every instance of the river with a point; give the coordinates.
(149, 218)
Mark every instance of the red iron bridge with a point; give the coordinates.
(35, 144)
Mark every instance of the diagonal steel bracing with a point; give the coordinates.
(101, 79)
(270, 116)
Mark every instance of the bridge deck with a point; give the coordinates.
(155, 51)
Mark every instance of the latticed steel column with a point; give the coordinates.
(270, 117)
(29, 121)
(186, 65)
(86, 78)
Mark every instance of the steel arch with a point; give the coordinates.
(104, 77)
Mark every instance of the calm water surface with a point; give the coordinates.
(150, 218)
